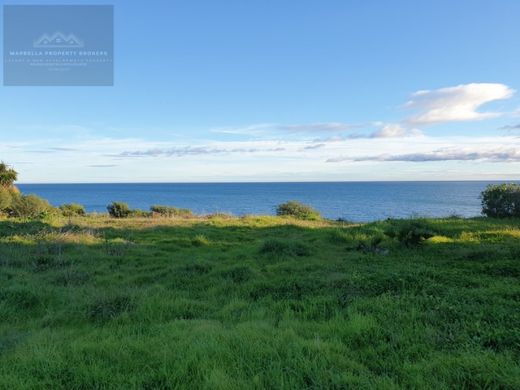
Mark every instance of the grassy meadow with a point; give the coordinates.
(258, 302)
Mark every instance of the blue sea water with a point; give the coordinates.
(354, 201)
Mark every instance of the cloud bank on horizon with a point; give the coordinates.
(302, 151)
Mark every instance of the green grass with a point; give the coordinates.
(258, 302)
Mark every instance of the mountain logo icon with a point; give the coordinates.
(58, 39)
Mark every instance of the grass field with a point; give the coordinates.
(258, 302)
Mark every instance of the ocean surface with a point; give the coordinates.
(354, 201)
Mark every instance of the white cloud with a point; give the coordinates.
(505, 149)
(182, 151)
(395, 130)
(455, 104)
(492, 155)
(273, 150)
(110, 160)
(388, 130)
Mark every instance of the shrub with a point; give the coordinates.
(139, 213)
(6, 198)
(501, 200)
(298, 210)
(168, 211)
(411, 233)
(29, 206)
(118, 210)
(72, 209)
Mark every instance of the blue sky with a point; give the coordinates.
(280, 91)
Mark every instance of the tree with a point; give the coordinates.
(7, 175)
(501, 200)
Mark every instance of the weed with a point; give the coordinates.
(200, 240)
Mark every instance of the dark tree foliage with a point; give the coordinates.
(501, 200)
(118, 210)
(7, 175)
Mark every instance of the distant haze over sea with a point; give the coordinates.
(355, 201)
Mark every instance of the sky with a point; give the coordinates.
(293, 90)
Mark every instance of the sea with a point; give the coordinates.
(352, 201)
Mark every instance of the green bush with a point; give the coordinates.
(6, 198)
(501, 200)
(139, 213)
(72, 209)
(411, 233)
(29, 206)
(298, 210)
(168, 211)
(118, 210)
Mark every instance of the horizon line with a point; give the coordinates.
(276, 182)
